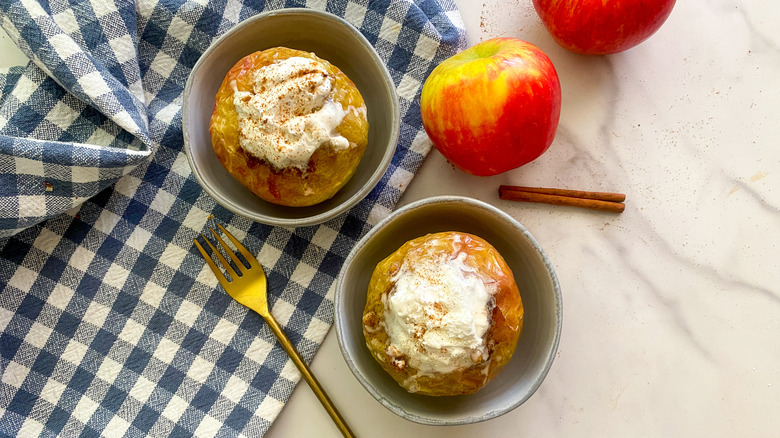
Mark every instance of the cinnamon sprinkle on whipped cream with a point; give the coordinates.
(438, 312)
(289, 113)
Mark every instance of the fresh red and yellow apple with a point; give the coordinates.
(493, 107)
(601, 27)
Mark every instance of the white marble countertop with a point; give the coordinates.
(672, 308)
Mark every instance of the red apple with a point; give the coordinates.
(493, 107)
(601, 27)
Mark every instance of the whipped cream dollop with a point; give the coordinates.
(437, 313)
(289, 113)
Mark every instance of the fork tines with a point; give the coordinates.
(234, 269)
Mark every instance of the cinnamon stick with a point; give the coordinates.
(602, 196)
(603, 201)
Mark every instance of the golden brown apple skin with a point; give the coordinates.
(501, 338)
(328, 169)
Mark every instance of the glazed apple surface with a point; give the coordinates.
(601, 27)
(493, 107)
(443, 314)
(289, 126)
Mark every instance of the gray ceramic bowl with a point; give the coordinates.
(331, 38)
(535, 278)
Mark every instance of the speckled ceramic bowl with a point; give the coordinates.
(534, 276)
(331, 38)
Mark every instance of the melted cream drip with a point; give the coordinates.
(289, 114)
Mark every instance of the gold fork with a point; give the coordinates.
(248, 287)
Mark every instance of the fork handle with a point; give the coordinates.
(308, 376)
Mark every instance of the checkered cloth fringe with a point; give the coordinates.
(110, 321)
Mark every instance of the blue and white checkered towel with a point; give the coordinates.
(110, 322)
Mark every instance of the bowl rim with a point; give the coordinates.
(350, 202)
(341, 334)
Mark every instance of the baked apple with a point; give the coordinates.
(289, 126)
(443, 314)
